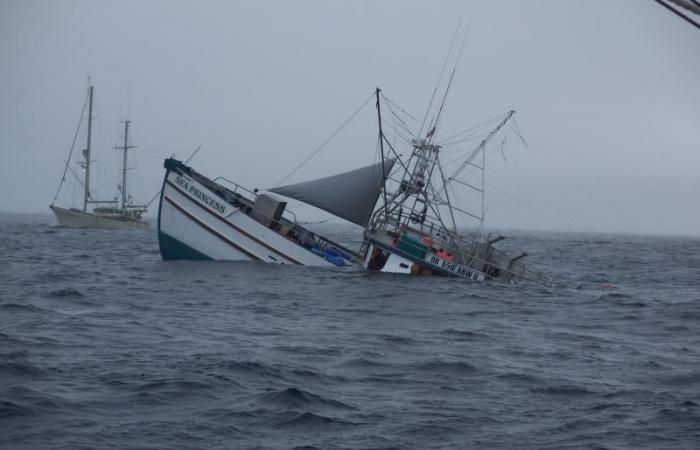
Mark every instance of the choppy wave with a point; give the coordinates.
(295, 398)
(65, 292)
(309, 421)
(107, 346)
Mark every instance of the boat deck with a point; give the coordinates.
(243, 199)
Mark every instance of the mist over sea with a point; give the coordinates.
(104, 345)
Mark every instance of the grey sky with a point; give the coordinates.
(606, 93)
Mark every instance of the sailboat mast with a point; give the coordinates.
(87, 153)
(125, 148)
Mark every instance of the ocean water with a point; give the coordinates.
(103, 345)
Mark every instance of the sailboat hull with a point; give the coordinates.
(77, 219)
(196, 223)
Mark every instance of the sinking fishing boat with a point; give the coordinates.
(204, 219)
(404, 205)
(415, 229)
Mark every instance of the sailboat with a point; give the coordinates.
(105, 213)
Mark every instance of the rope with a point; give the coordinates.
(80, 182)
(487, 123)
(308, 158)
(389, 101)
(447, 91)
(398, 133)
(72, 147)
(450, 146)
(516, 128)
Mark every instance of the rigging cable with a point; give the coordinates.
(489, 152)
(397, 133)
(397, 106)
(80, 182)
(450, 146)
(442, 72)
(485, 124)
(398, 156)
(516, 129)
(447, 89)
(398, 122)
(396, 119)
(308, 158)
(72, 147)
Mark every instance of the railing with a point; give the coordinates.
(473, 253)
(304, 237)
(301, 236)
(402, 223)
(236, 185)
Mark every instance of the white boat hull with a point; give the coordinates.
(383, 257)
(195, 223)
(77, 219)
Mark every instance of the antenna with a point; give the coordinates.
(431, 133)
(442, 72)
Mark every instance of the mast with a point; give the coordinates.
(125, 148)
(86, 153)
(483, 186)
(381, 148)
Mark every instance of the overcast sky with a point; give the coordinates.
(607, 95)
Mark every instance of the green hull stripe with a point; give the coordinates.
(171, 248)
(440, 271)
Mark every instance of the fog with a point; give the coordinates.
(606, 93)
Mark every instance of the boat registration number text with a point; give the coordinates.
(457, 269)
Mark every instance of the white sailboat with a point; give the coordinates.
(105, 213)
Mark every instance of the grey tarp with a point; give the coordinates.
(349, 195)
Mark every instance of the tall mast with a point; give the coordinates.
(125, 148)
(381, 147)
(86, 153)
